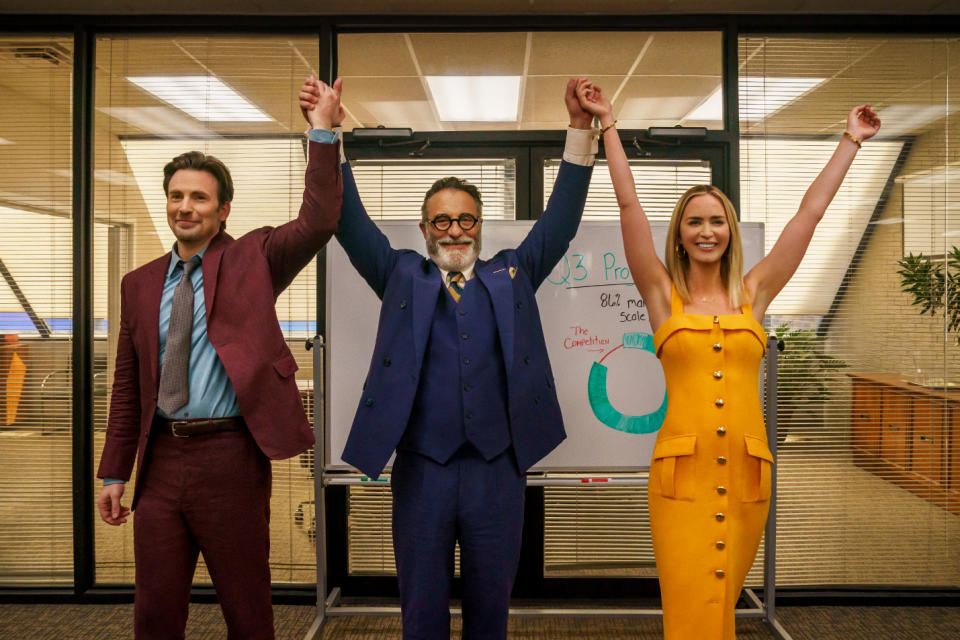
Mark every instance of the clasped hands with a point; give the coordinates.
(321, 108)
(320, 103)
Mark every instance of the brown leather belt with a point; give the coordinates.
(199, 426)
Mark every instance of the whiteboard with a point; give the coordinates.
(608, 380)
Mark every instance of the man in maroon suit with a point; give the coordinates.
(204, 393)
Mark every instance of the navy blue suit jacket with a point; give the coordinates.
(409, 284)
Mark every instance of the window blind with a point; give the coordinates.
(926, 196)
(36, 308)
(864, 471)
(394, 189)
(659, 185)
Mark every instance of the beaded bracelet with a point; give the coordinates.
(847, 134)
(606, 128)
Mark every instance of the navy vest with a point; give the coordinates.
(462, 396)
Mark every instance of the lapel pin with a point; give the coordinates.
(513, 272)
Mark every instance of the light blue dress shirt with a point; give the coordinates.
(324, 136)
(211, 393)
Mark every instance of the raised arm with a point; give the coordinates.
(649, 274)
(550, 237)
(291, 246)
(772, 273)
(367, 247)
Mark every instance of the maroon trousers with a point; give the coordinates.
(207, 494)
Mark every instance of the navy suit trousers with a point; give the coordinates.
(470, 500)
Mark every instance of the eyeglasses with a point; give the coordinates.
(466, 221)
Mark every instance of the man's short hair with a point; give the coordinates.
(452, 182)
(200, 161)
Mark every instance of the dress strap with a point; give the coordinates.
(676, 302)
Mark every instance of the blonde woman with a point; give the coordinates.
(709, 484)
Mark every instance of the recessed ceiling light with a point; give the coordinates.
(162, 121)
(106, 175)
(476, 98)
(759, 97)
(203, 97)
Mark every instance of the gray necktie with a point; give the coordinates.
(175, 371)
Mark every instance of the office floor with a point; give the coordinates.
(113, 622)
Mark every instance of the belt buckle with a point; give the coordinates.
(178, 423)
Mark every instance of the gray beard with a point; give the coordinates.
(453, 260)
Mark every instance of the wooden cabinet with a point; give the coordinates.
(865, 419)
(953, 464)
(928, 450)
(908, 434)
(896, 431)
(952, 461)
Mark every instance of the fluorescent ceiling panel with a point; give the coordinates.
(203, 97)
(161, 121)
(476, 98)
(759, 97)
(106, 175)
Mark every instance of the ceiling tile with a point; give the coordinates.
(371, 99)
(470, 54)
(585, 53)
(683, 53)
(374, 54)
(665, 98)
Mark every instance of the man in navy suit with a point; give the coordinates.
(460, 385)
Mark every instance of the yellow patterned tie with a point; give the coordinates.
(456, 281)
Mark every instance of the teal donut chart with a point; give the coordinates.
(600, 400)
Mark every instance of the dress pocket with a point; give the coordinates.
(757, 467)
(672, 468)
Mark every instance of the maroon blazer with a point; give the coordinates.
(241, 281)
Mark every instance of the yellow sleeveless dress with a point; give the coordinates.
(709, 489)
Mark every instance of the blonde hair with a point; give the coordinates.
(731, 263)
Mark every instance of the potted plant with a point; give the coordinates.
(806, 376)
(934, 284)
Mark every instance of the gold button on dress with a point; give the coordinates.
(703, 488)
